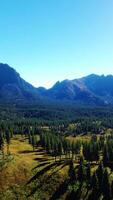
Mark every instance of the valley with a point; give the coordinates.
(56, 100)
(56, 161)
(56, 144)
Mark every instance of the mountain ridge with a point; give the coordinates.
(88, 90)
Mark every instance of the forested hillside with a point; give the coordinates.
(56, 159)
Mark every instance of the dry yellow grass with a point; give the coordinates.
(18, 170)
(79, 138)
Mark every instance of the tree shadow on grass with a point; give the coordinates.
(62, 165)
(25, 152)
(31, 151)
(46, 179)
(41, 172)
(41, 165)
(60, 190)
(41, 159)
(63, 187)
(75, 194)
(95, 194)
(36, 151)
(40, 150)
(40, 153)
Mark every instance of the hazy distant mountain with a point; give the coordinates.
(13, 88)
(89, 90)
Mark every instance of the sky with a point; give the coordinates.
(51, 40)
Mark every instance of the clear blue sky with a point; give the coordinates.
(50, 40)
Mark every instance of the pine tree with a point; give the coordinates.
(106, 186)
(88, 172)
(112, 189)
(2, 144)
(60, 149)
(52, 145)
(65, 148)
(69, 148)
(94, 182)
(99, 173)
(71, 172)
(72, 149)
(33, 141)
(48, 145)
(30, 138)
(105, 156)
(81, 171)
(8, 139)
(55, 150)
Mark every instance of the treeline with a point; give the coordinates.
(58, 146)
(56, 114)
(95, 150)
(84, 120)
(5, 138)
(85, 126)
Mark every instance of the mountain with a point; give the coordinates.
(101, 86)
(73, 92)
(13, 88)
(89, 90)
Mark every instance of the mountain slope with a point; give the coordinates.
(89, 90)
(13, 88)
(101, 86)
(72, 92)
